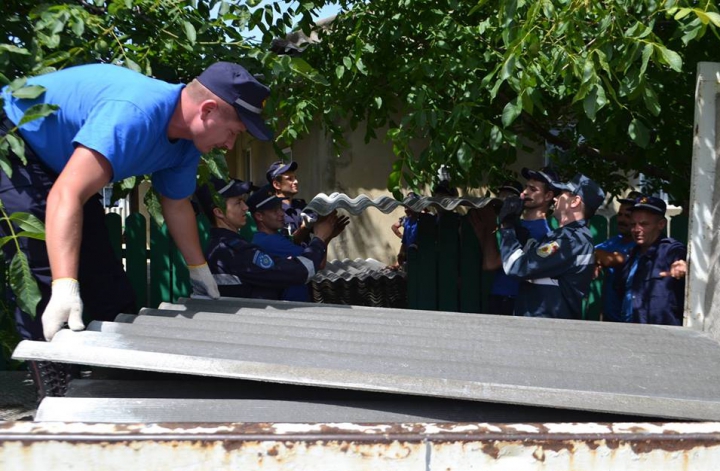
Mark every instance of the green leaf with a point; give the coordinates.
(339, 71)
(651, 100)
(465, 157)
(5, 240)
(190, 32)
(590, 103)
(153, 206)
(30, 92)
(672, 58)
(5, 165)
(347, 62)
(713, 17)
(78, 27)
(27, 222)
(132, 65)
(639, 133)
(38, 111)
(14, 49)
(17, 146)
(646, 54)
(511, 111)
(681, 13)
(31, 235)
(361, 67)
(23, 284)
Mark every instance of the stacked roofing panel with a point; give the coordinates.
(623, 369)
(360, 282)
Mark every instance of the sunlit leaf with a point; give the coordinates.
(23, 284)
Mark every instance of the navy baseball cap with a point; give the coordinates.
(545, 174)
(650, 203)
(225, 188)
(278, 168)
(631, 197)
(512, 186)
(264, 198)
(239, 88)
(591, 194)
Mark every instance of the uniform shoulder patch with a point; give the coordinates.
(545, 250)
(263, 260)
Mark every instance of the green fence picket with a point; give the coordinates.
(679, 226)
(448, 260)
(470, 269)
(427, 263)
(160, 265)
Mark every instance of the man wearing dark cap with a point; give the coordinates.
(557, 270)
(534, 201)
(267, 210)
(244, 270)
(111, 124)
(282, 178)
(611, 254)
(652, 281)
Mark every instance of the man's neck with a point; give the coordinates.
(534, 214)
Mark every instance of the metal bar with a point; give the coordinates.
(412, 446)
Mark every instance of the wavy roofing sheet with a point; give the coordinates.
(628, 369)
(325, 204)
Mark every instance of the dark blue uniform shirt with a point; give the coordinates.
(655, 299)
(243, 270)
(293, 218)
(556, 272)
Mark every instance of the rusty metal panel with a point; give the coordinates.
(626, 369)
(412, 446)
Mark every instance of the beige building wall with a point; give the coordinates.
(362, 169)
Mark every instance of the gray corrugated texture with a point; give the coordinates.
(359, 268)
(359, 282)
(325, 204)
(632, 369)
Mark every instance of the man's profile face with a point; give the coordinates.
(274, 219)
(287, 184)
(217, 127)
(536, 195)
(646, 227)
(235, 211)
(624, 219)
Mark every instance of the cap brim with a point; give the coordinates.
(255, 124)
(648, 207)
(561, 186)
(625, 201)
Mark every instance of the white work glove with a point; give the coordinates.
(203, 283)
(65, 306)
(309, 217)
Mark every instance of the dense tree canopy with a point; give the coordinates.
(610, 84)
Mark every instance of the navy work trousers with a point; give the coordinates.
(104, 287)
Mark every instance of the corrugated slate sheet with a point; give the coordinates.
(360, 282)
(623, 369)
(325, 204)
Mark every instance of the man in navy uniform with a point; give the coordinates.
(557, 270)
(281, 176)
(652, 281)
(269, 214)
(244, 270)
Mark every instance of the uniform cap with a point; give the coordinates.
(545, 174)
(264, 198)
(225, 188)
(591, 194)
(512, 186)
(278, 168)
(631, 197)
(650, 203)
(237, 87)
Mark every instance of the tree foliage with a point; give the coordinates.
(609, 84)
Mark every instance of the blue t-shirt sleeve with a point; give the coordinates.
(176, 182)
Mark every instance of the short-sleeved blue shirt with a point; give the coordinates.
(119, 113)
(611, 300)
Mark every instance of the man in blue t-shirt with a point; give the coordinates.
(113, 123)
(610, 256)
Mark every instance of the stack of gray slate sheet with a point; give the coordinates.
(359, 282)
(236, 360)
